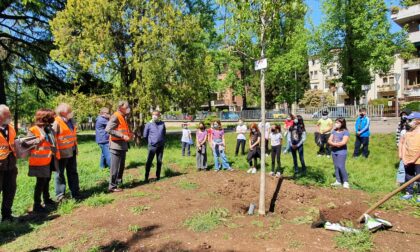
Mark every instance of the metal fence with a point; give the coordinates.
(376, 111)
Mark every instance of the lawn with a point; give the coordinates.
(375, 175)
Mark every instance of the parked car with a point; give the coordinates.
(230, 116)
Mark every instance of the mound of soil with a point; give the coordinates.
(349, 211)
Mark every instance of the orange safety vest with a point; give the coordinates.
(42, 155)
(66, 138)
(122, 127)
(6, 147)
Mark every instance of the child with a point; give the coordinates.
(275, 138)
(288, 123)
(338, 142)
(218, 145)
(296, 137)
(254, 148)
(186, 139)
(201, 143)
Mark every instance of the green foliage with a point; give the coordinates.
(413, 106)
(67, 207)
(317, 98)
(355, 242)
(380, 101)
(98, 200)
(137, 210)
(134, 228)
(187, 185)
(205, 222)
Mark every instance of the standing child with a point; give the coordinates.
(275, 138)
(296, 138)
(254, 148)
(218, 145)
(288, 123)
(338, 142)
(201, 143)
(186, 139)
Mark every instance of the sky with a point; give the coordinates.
(315, 12)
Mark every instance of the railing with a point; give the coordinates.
(387, 88)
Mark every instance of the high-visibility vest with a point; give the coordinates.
(6, 147)
(122, 127)
(42, 155)
(66, 138)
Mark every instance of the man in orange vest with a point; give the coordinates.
(65, 128)
(120, 134)
(8, 169)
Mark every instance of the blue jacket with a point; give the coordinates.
(155, 133)
(363, 126)
(101, 135)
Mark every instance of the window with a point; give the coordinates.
(315, 74)
(316, 87)
(391, 81)
(331, 71)
(385, 80)
(313, 62)
(312, 75)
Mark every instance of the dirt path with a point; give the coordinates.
(168, 203)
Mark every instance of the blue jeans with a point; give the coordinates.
(401, 173)
(301, 157)
(411, 170)
(220, 153)
(105, 160)
(340, 167)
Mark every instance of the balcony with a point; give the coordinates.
(406, 15)
(412, 90)
(412, 64)
(387, 88)
(414, 37)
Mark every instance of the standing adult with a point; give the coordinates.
(266, 128)
(296, 138)
(240, 137)
(8, 169)
(155, 133)
(338, 142)
(410, 153)
(102, 137)
(254, 148)
(362, 128)
(120, 134)
(324, 127)
(65, 128)
(201, 143)
(43, 159)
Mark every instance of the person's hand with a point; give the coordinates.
(358, 133)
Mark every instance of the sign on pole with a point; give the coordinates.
(261, 64)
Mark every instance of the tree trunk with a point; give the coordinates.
(2, 85)
(243, 77)
(16, 112)
(261, 207)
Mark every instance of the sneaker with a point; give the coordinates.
(336, 183)
(328, 156)
(271, 174)
(217, 170)
(346, 185)
(39, 209)
(254, 170)
(319, 155)
(266, 155)
(229, 169)
(113, 190)
(278, 174)
(418, 200)
(249, 170)
(407, 197)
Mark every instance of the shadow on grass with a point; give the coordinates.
(9, 231)
(134, 164)
(314, 176)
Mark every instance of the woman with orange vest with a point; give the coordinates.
(43, 157)
(8, 169)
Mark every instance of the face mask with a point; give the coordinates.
(253, 130)
(216, 126)
(155, 118)
(324, 117)
(404, 117)
(296, 121)
(337, 125)
(273, 130)
(362, 115)
(288, 118)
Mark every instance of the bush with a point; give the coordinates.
(313, 98)
(208, 120)
(413, 106)
(380, 101)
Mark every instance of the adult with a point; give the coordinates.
(266, 129)
(8, 169)
(324, 127)
(240, 137)
(338, 142)
(201, 143)
(402, 128)
(120, 134)
(362, 128)
(65, 128)
(43, 159)
(218, 144)
(275, 139)
(155, 133)
(410, 153)
(296, 138)
(254, 148)
(102, 137)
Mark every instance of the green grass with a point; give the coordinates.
(355, 242)
(67, 206)
(98, 200)
(134, 228)
(139, 209)
(187, 185)
(207, 221)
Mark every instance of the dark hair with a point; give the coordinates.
(202, 124)
(277, 127)
(362, 110)
(342, 120)
(219, 123)
(44, 117)
(292, 117)
(253, 126)
(300, 123)
(325, 112)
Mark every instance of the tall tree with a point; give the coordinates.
(357, 34)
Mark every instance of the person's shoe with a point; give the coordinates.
(39, 209)
(50, 202)
(77, 196)
(271, 173)
(407, 197)
(328, 156)
(113, 190)
(60, 198)
(254, 170)
(249, 170)
(319, 155)
(229, 169)
(336, 183)
(217, 170)
(278, 174)
(346, 185)
(8, 218)
(266, 155)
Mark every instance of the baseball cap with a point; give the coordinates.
(414, 115)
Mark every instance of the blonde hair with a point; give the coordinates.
(3, 108)
(62, 107)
